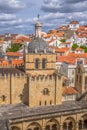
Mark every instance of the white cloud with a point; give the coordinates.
(6, 17)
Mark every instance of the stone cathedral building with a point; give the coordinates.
(32, 99)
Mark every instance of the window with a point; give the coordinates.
(37, 64)
(43, 63)
(3, 97)
(50, 102)
(40, 103)
(45, 103)
(45, 91)
(50, 77)
(77, 78)
(72, 72)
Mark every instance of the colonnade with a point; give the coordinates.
(53, 124)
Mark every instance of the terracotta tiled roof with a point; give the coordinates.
(79, 49)
(74, 22)
(21, 39)
(69, 91)
(14, 54)
(2, 42)
(4, 63)
(55, 33)
(17, 41)
(84, 55)
(14, 62)
(63, 50)
(82, 31)
(66, 43)
(48, 35)
(71, 58)
(17, 62)
(67, 59)
(60, 34)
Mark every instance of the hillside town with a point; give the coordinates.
(43, 79)
(69, 43)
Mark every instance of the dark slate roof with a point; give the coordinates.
(21, 112)
(8, 71)
(81, 96)
(38, 44)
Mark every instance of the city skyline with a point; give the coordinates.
(19, 16)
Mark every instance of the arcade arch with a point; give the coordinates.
(52, 124)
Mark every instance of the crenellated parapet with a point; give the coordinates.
(12, 85)
(41, 77)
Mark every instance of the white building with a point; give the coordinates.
(74, 25)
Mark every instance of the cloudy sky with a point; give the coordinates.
(19, 16)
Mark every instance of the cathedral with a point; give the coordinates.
(32, 99)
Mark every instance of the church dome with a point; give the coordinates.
(37, 45)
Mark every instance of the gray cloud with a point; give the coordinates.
(74, 1)
(11, 6)
(64, 6)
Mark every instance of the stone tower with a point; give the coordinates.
(44, 84)
(38, 27)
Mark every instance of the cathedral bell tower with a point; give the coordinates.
(44, 84)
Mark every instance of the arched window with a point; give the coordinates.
(3, 97)
(50, 102)
(15, 128)
(45, 91)
(47, 127)
(40, 103)
(43, 63)
(36, 63)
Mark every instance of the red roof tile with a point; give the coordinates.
(14, 54)
(69, 91)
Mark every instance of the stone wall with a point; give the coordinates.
(11, 87)
(45, 90)
(30, 61)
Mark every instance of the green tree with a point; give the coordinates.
(84, 47)
(63, 40)
(14, 47)
(74, 46)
